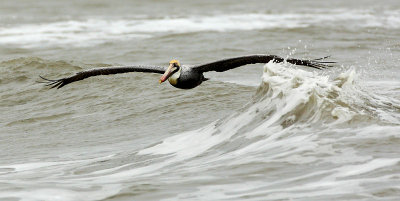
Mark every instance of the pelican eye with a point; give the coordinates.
(177, 69)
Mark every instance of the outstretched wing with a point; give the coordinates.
(58, 83)
(227, 64)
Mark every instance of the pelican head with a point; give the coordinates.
(172, 68)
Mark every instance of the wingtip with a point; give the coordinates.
(46, 79)
(51, 83)
(325, 57)
(323, 64)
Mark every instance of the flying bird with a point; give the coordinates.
(187, 77)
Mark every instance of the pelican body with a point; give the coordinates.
(187, 77)
(184, 78)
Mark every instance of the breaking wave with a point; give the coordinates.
(295, 139)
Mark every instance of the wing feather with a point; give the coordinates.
(58, 83)
(230, 63)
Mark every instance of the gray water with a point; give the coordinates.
(260, 132)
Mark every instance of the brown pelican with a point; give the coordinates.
(186, 77)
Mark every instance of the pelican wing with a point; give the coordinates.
(227, 64)
(58, 83)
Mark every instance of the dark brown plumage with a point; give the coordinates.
(102, 71)
(187, 77)
(227, 64)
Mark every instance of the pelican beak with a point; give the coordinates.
(167, 73)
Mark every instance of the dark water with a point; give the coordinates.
(273, 132)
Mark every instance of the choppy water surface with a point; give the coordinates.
(261, 132)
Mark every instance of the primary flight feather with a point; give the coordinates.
(185, 77)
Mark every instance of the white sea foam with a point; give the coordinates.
(352, 170)
(96, 30)
(61, 194)
(286, 94)
(294, 140)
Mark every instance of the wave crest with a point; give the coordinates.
(287, 99)
(290, 95)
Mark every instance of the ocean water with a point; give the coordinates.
(259, 132)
